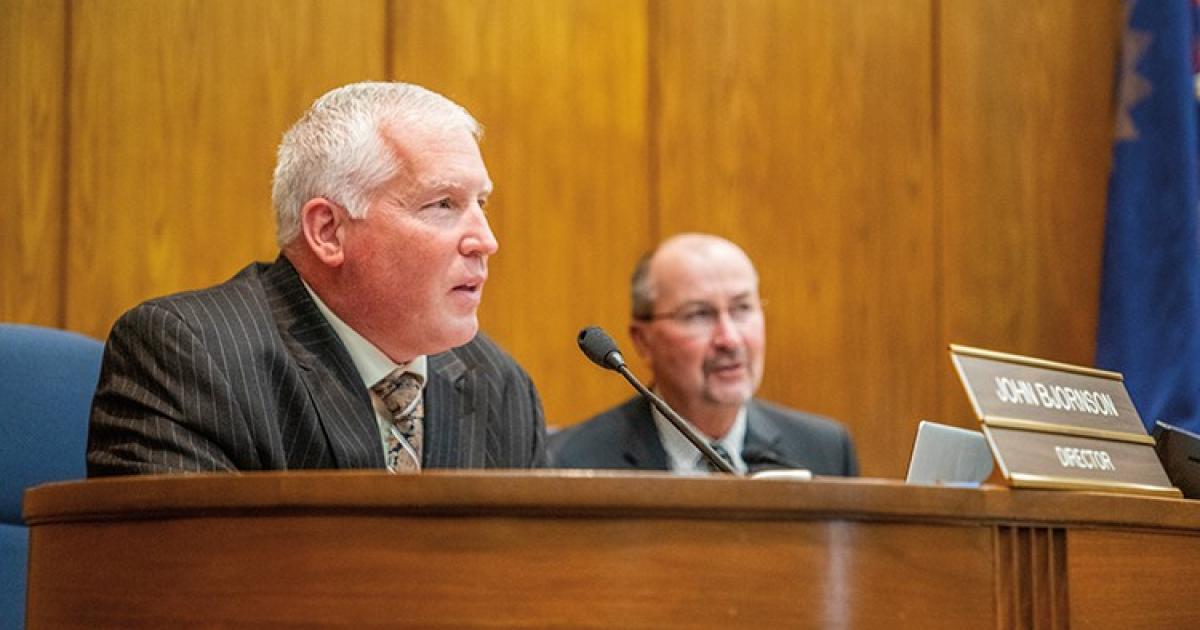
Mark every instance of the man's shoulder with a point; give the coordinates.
(789, 420)
(801, 439)
(610, 425)
(233, 313)
(243, 291)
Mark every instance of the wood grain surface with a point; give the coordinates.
(1024, 163)
(175, 112)
(577, 550)
(33, 46)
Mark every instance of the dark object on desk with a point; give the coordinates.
(1179, 451)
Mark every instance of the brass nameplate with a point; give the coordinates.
(1025, 393)
(1031, 459)
(1054, 425)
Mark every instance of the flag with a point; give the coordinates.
(1149, 326)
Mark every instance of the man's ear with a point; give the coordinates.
(637, 332)
(323, 227)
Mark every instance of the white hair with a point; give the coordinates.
(337, 149)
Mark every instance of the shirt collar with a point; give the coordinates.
(682, 455)
(372, 364)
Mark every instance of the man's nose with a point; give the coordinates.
(726, 333)
(479, 239)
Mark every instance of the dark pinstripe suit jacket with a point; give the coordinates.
(248, 375)
(626, 437)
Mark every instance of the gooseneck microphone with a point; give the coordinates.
(602, 351)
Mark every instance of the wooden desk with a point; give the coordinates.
(577, 550)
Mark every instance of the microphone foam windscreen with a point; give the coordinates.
(597, 345)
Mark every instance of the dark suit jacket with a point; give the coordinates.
(626, 437)
(248, 375)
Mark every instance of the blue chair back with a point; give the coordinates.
(47, 378)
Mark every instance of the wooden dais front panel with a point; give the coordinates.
(578, 550)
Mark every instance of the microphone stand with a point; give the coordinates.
(700, 443)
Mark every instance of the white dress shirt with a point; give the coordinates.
(682, 456)
(371, 363)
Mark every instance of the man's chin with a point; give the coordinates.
(462, 333)
(730, 395)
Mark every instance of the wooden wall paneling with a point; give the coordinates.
(32, 67)
(176, 108)
(560, 88)
(803, 131)
(1025, 93)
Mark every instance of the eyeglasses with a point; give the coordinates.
(701, 319)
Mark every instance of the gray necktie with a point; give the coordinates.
(401, 393)
(716, 446)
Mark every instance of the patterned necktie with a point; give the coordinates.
(401, 393)
(716, 446)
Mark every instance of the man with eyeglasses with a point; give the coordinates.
(698, 324)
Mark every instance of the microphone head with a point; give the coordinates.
(600, 348)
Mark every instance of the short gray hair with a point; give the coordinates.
(641, 290)
(337, 149)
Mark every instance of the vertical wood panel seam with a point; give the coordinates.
(1058, 576)
(389, 39)
(939, 233)
(1058, 613)
(1039, 561)
(64, 171)
(654, 219)
(1024, 568)
(997, 574)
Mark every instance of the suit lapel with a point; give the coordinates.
(760, 432)
(642, 446)
(765, 446)
(335, 389)
(458, 430)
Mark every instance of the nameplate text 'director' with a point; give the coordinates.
(1030, 459)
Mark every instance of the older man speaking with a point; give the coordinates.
(357, 347)
(698, 323)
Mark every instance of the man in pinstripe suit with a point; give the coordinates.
(379, 192)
